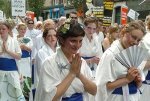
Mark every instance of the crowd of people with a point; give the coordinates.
(72, 59)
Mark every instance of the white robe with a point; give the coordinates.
(33, 34)
(99, 36)
(52, 74)
(24, 64)
(90, 49)
(10, 89)
(39, 41)
(145, 87)
(42, 54)
(109, 70)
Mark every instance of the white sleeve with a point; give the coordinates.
(103, 75)
(48, 81)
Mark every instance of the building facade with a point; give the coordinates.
(55, 8)
(142, 8)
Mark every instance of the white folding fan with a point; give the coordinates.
(132, 56)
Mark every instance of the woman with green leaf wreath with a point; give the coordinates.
(65, 76)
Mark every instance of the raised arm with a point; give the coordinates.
(74, 71)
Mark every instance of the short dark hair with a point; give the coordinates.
(73, 12)
(74, 30)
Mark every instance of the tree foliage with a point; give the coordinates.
(5, 6)
(36, 6)
(80, 6)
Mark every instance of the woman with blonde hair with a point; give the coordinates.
(10, 89)
(112, 35)
(24, 64)
(116, 82)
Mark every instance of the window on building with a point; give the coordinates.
(117, 14)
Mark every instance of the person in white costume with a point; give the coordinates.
(24, 65)
(39, 42)
(32, 33)
(65, 76)
(49, 48)
(146, 44)
(99, 34)
(10, 89)
(112, 76)
(91, 49)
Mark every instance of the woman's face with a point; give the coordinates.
(133, 38)
(115, 35)
(3, 29)
(22, 30)
(90, 29)
(72, 44)
(51, 38)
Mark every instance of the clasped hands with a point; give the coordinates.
(76, 65)
(133, 74)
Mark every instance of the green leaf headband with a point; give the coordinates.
(66, 26)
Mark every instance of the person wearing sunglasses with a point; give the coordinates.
(73, 16)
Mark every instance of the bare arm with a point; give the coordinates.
(24, 47)
(13, 54)
(132, 73)
(118, 83)
(89, 86)
(147, 66)
(22, 20)
(106, 43)
(74, 71)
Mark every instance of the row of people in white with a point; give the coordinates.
(111, 76)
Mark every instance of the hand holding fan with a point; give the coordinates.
(132, 56)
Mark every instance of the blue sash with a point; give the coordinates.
(32, 73)
(8, 64)
(132, 89)
(33, 92)
(87, 57)
(25, 54)
(147, 78)
(74, 97)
